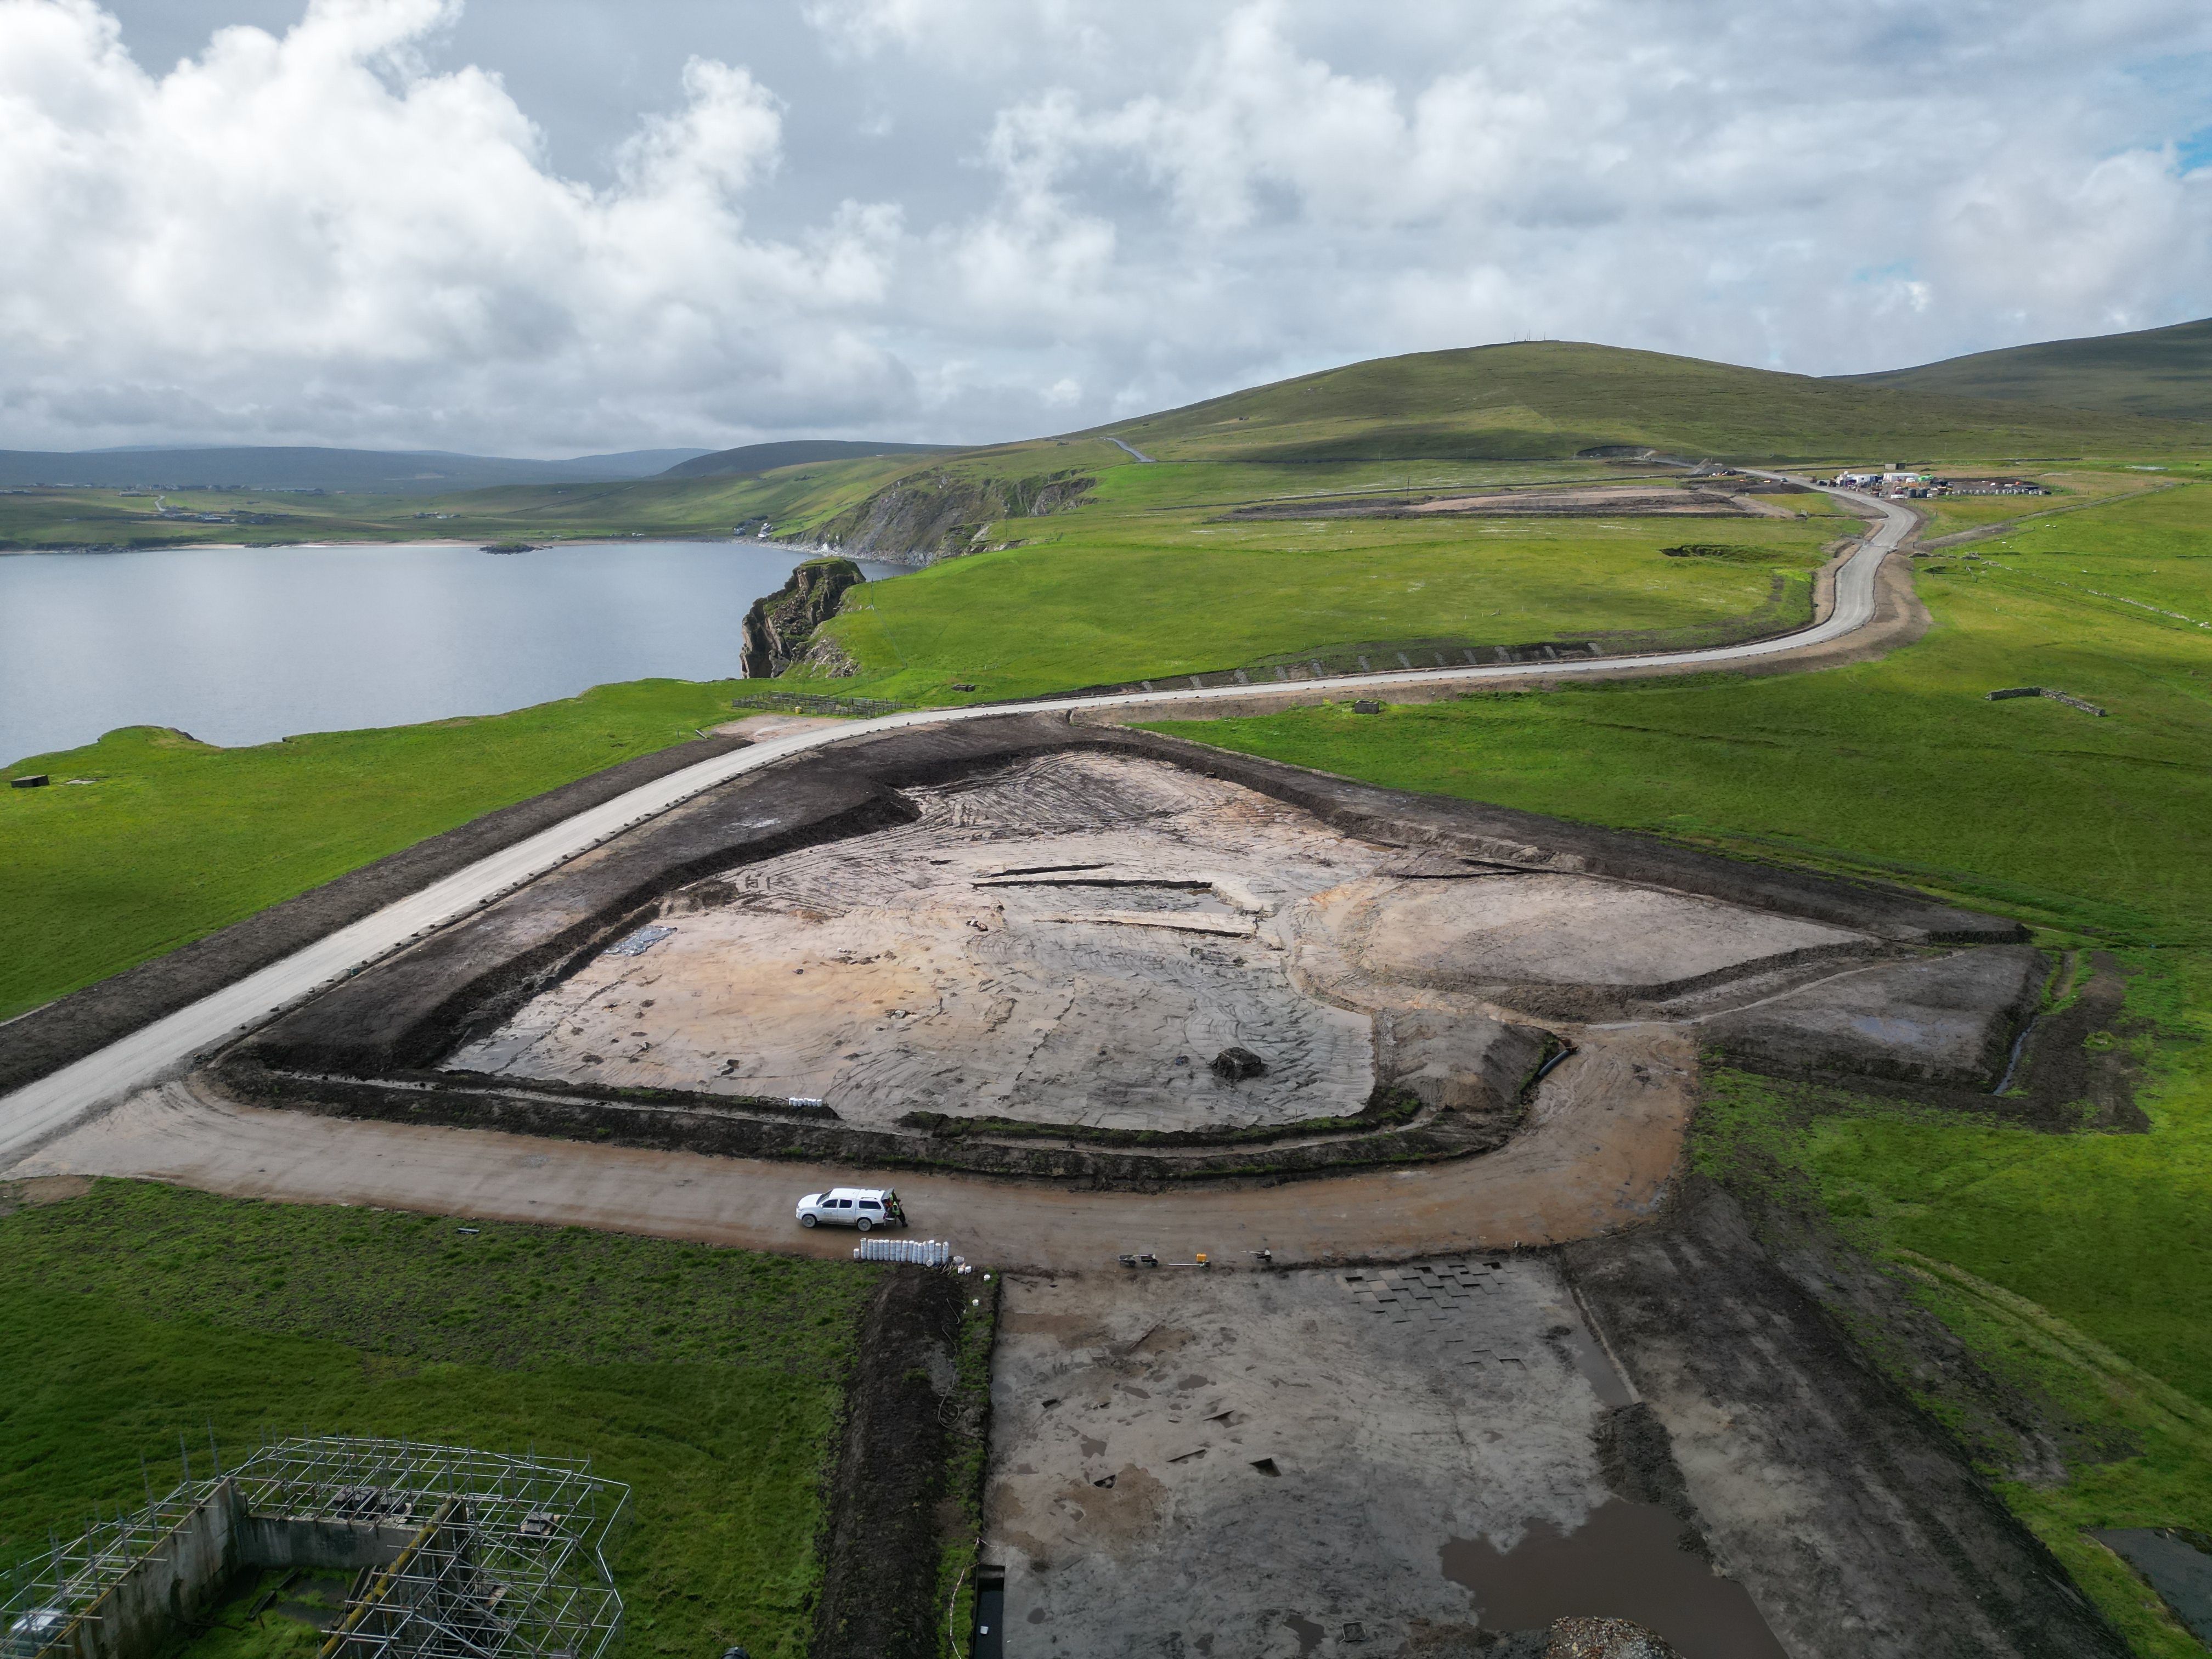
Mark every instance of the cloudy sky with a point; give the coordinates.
(550, 227)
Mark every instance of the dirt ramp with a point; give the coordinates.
(1951, 1020)
(1462, 1061)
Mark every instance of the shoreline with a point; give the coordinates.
(408, 541)
(240, 706)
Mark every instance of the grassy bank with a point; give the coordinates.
(2094, 831)
(174, 838)
(2076, 1267)
(708, 1379)
(1151, 577)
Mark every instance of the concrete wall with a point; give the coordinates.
(177, 1579)
(185, 1574)
(263, 1543)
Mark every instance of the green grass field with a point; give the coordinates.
(174, 838)
(1149, 577)
(2097, 832)
(708, 1379)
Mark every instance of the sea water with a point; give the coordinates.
(242, 645)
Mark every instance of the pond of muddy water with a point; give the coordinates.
(1625, 1561)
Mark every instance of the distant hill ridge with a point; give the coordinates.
(369, 472)
(1553, 399)
(2159, 373)
(749, 459)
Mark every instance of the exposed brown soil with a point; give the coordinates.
(66, 1030)
(2074, 1068)
(414, 1009)
(41, 1189)
(886, 1534)
(2079, 1072)
(1597, 1151)
(1067, 941)
(1562, 907)
(673, 1121)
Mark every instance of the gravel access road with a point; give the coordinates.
(1596, 1155)
(171, 1047)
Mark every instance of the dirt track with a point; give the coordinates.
(1598, 1155)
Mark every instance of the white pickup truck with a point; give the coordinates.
(863, 1208)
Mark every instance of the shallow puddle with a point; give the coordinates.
(1621, 1563)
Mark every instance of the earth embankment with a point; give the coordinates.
(65, 1030)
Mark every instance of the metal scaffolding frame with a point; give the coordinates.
(507, 1557)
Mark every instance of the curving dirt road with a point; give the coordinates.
(168, 1048)
(1597, 1154)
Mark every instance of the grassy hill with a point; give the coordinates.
(2164, 373)
(1150, 574)
(1553, 399)
(766, 458)
(379, 471)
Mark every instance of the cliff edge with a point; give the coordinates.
(779, 625)
(925, 517)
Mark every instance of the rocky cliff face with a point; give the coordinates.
(779, 627)
(935, 515)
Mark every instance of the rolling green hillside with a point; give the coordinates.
(766, 458)
(1553, 399)
(2162, 372)
(1543, 401)
(796, 500)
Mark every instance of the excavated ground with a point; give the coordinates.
(999, 946)
(1379, 1459)
(1072, 940)
(1077, 938)
(1437, 1460)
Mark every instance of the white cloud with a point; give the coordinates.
(311, 235)
(322, 235)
